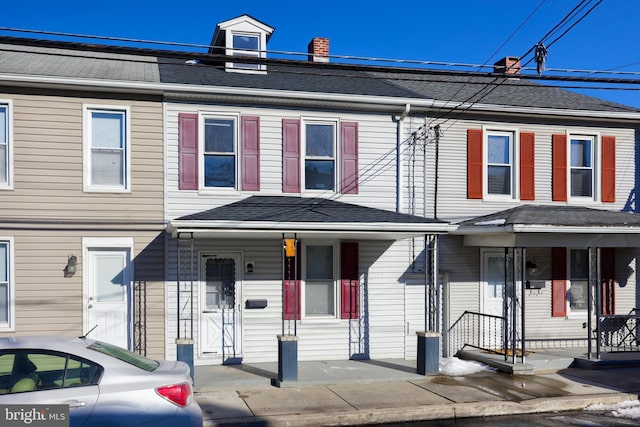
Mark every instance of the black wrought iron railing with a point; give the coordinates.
(477, 330)
(140, 317)
(619, 332)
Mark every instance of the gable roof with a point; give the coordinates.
(274, 215)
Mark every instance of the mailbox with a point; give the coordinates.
(534, 284)
(255, 303)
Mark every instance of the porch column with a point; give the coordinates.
(288, 340)
(287, 359)
(185, 292)
(428, 357)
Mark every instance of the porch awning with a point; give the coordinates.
(548, 226)
(271, 216)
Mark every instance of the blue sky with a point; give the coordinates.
(458, 31)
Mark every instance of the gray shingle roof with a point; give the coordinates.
(283, 209)
(560, 216)
(304, 78)
(46, 58)
(81, 64)
(499, 91)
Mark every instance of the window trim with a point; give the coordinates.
(202, 116)
(596, 168)
(8, 104)
(86, 126)
(336, 153)
(514, 135)
(336, 281)
(232, 51)
(572, 312)
(11, 315)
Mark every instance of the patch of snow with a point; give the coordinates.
(627, 409)
(499, 221)
(454, 367)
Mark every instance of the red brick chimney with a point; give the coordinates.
(319, 49)
(507, 65)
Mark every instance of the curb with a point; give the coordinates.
(428, 412)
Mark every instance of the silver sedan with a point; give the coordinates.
(103, 385)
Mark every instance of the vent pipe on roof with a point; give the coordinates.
(507, 65)
(318, 49)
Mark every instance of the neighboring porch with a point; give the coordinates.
(597, 333)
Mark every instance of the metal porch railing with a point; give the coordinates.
(477, 330)
(140, 317)
(618, 332)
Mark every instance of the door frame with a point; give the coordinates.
(107, 243)
(483, 272)
(238, 257)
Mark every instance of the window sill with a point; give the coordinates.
(107, 190)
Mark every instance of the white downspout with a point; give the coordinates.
(400, 120)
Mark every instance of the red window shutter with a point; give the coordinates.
(608, 273)
(291, 287)
(474, 163)
(527, 166)
(558, 282)
(250, 146)
(349, 281)
(559, 178)
(608, 168)
(187, 151)
(291, 309)
(290, 155)
(349, 158)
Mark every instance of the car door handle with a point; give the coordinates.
(75, 404)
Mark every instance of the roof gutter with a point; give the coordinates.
(379, 227)
(557, 229)
(179, 90)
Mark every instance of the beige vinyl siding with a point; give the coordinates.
(47, 303)
(47, 213)
(48, 161)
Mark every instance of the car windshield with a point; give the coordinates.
(125, 355)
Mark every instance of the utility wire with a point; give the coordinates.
(481, 95)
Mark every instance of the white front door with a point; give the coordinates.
(108, 296)
(220, 308)
(492, 291)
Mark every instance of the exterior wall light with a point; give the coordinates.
(72, 266)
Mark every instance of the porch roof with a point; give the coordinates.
(272, 216)
(549, 225)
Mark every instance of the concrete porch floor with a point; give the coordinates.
(548, 360)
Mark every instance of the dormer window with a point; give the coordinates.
(246, 45)
(243, 36)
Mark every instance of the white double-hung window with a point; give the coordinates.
(578, 280)
(320, 156)
(6, 284)
(107, 149)
(500, 164)
(6, 171)
(581, 166)
(220, 147)
(320, 298)
(247, 45)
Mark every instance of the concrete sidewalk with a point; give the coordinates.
(370, 392)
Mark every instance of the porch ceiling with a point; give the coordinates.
(273, 216)
(548, 225)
